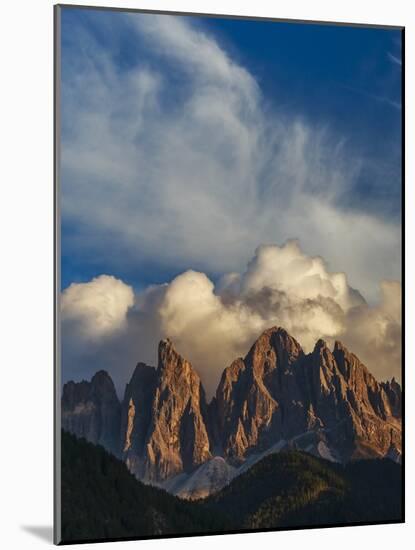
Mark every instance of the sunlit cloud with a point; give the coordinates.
(212, 324)
(180, 162)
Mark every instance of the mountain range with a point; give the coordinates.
(276, 398)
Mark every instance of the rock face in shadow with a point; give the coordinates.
(394, 393)
(136, 416)
(325, 402)
(92, 410)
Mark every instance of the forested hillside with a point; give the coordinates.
(296, 489)
(102, 499)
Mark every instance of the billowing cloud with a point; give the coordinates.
(375, 333)
(178, 161)
(175, 161)
(213, 324)
(97, 308)
(94, 324)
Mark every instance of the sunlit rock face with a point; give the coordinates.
(177, 438)
(163, 418)
(325, 402)
(277, 392)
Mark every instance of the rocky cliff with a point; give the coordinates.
(166, 432)
(136, 416)
(92, 410)
(325, 402)
(277, 392)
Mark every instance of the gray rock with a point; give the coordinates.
(325, 402)
(92, 410)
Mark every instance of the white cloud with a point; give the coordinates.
(197, 174)
(97, 308)
(395, 59)
(212, 325)
(180, 161)
(203, 328)
(375, 333)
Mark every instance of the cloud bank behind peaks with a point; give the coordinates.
(213, 324)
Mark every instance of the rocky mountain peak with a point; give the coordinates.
(249, 395)
(320, 345)
(275, 395)
(92, 410)
(170, 361)
(279, 338)
(278, 392)
(393, 392)
(136, 414)
(349, 365)
(274, 347)
(164, 418)
(325, 365)
(101, 376)
(140, 370)
(102, 382)
(340, 347)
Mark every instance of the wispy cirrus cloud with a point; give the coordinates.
(179, 160)
(377, 97)
(394, 59)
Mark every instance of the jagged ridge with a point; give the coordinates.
(326, 402)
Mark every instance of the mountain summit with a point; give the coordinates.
(324, 402)
(279, 393)
(177, 437)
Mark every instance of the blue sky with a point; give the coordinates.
(343, 79)
(222, 176)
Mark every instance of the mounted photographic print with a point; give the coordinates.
(229, 339)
